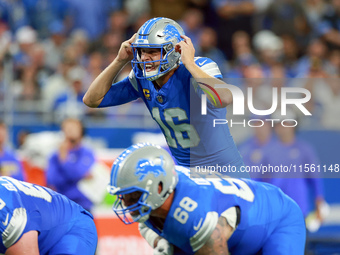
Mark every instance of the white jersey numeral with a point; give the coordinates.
(29, 189)
(192, 139)
(186, 205)
(243, 191)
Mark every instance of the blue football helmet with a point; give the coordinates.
(157, 33)
(135, 178)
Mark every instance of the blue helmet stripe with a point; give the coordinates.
(147, 26)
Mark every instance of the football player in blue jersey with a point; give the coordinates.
(183, 215)
(171, 81)
(36, 220)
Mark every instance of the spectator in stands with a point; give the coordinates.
(57, 83)
(207, 47)
(26, 38)
(5, 39)
(9, 163)
(192, 24)
(315, 10)
(243, 55)
(71, 163)
(316, 53)
(14, 14)
(269, 48)
(55, 44)
(42, 14)
(290, 54)
(325, 91)
(233, 16)
(118, 23)
(172, 9)
(288, 17)
(69, 103)
(329, 27)
(91, 16)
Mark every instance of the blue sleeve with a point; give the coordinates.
(120, 93)
(53, 176)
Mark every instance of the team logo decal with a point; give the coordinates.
(170, 32)
(145, 167)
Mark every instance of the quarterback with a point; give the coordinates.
(168, 77)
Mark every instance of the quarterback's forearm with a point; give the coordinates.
(224, 93)
(101, 85)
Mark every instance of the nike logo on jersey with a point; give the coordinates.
(6, 221)
(202, 63)
(198, 225)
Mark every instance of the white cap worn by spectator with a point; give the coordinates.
(267, 40)
(76, 74)
(26, 35)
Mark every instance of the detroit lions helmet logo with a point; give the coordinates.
(145, 167)
(170, 31)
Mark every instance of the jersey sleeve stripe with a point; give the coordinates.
(231, 216)
(211, 69)
(15, 227)
(203, 234)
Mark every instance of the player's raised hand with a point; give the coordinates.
(125, 53)
(187, 50)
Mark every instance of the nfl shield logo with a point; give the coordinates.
(160, 98)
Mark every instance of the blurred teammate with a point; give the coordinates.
(289, 150)
(36, 220)
(163, 67)
(9, 163)
(202, 215)
(254, 149)
(71, 163)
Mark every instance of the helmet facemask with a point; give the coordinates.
(166, 61)
(138, 211)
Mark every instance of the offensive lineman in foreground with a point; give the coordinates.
(216, 215)
(36, 220)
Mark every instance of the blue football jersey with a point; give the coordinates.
(25, 207)
(176, 107)
(199, 202)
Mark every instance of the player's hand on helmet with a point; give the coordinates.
(163, 248)
(187, 50)
(125, 53)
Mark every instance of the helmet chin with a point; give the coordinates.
(152, 75)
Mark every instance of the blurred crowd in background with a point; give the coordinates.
(50, 51)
